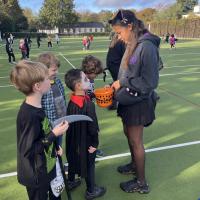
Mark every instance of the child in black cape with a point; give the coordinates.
(82, 138)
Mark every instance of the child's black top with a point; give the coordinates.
(9, 48)
(81, 135)
(35, 149)
(114, 56)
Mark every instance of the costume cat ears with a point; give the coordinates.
(122, 17)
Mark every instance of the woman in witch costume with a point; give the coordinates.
(82, 141)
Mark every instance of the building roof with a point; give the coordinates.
(87, 25)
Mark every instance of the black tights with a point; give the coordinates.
(134, 135)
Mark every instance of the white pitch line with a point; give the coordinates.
(8, 175)
(67, 60)
(4, 86)
(2, 45)
(4, 77)
(101, 79)
(161, 75)
(180, 74)
(126, 154)
(177, 66)
(179, 54)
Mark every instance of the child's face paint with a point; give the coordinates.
(84, 82)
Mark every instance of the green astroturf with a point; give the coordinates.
(172, 174)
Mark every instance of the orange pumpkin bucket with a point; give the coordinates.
(104, 97)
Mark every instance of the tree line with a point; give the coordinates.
(61, 13)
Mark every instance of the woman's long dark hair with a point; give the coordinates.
(124, 18)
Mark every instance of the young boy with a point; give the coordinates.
(172, 41)
(35, 140)
(10, 51)
(53, 102)
(49, 41)
(92, 67)
(82, 138)
(23, 49)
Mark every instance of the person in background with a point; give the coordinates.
(38, 40)
(23, 49)
(10, 51)
(113, 60)
(57, 39)
(49, 40)
(172, 41)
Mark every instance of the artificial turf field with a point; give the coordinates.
(173, 174)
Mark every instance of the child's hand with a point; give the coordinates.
(60, 128)
(92, 149)
(106, 86)
(60, 151)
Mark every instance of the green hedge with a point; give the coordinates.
(86, 34)
(23, 34)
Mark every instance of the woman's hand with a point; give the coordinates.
(116, 85)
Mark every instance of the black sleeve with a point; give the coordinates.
(148, 79)
(34, 141)
(93, 127)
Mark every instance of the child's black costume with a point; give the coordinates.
(35, 152)
(10, 52)
(80, 136)
(114, 58)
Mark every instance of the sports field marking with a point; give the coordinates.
(179, 96)
(67, 60)
(161, 75)
(5, 86)
(177, 66)
(4, 77)
(179, 54)
(126, 154)
(184, 73)
(2, 45)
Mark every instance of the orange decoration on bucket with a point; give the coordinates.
(104, 97)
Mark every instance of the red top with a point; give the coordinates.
(79, 100)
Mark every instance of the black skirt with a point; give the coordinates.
(142, 113)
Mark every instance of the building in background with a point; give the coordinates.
(78, 28)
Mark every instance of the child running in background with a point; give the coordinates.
(92, 67)
(23, 49)
(9, 51)
(57, 39)
(84, 42)
(172, 41)
(49, 40)
(82, 139)
(36, 156)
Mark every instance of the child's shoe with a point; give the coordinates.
(135, 186)
(126, 169)
(73, 184)
(98, 192)
(99, 153)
